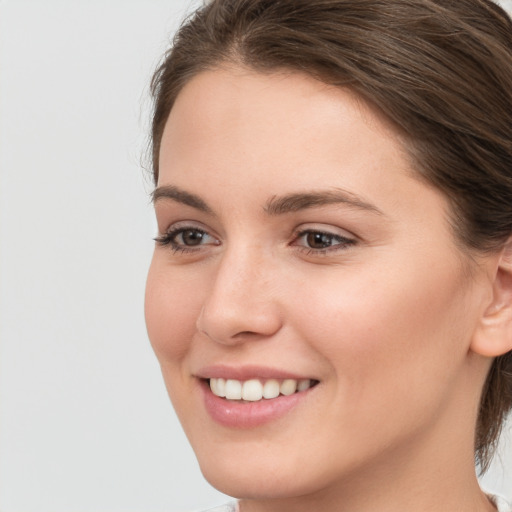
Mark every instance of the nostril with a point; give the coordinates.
(246, 334)
(227, 317)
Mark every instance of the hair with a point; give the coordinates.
(439, 70)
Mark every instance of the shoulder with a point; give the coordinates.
(229, 507)
(501, 504)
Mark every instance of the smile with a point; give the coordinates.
(254, 390)
(247, 402)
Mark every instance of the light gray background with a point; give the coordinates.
(85, 423)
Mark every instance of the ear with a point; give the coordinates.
(493, 335)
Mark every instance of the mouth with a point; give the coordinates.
(252, 402)
(255, 390)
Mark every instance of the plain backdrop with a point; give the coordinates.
(85, 422)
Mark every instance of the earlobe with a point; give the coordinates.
(493, 335)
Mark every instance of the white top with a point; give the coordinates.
(500, 503)
(232, 506)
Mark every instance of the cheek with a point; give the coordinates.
(392, 332)
(171, 310)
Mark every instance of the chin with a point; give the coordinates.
(262, 476)
(251, 482)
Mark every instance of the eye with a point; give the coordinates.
(190, 237)
(186, 238)
(322, 241)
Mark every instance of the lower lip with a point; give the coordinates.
(249, 414)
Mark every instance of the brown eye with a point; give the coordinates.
(316, 240)
(321, 241)
(186, 238)
(191, 237)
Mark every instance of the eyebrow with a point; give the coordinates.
(302, 201)
(180, 196)
(277, 205)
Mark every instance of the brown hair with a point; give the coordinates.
(440, 70)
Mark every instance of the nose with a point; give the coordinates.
(241, 303)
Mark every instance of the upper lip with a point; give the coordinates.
(246, 372)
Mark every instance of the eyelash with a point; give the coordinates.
(342, 242)
(169, 239)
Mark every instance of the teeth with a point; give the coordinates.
(288, 387)
(271, 389)
(233, 389)
(303, 385)
(218, 386)
(254, 390)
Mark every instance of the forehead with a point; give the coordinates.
(238, 91)
(235, 115)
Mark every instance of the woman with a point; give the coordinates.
(330, 297)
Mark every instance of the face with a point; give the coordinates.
(300, 258)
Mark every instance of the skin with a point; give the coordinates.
(386, 323)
